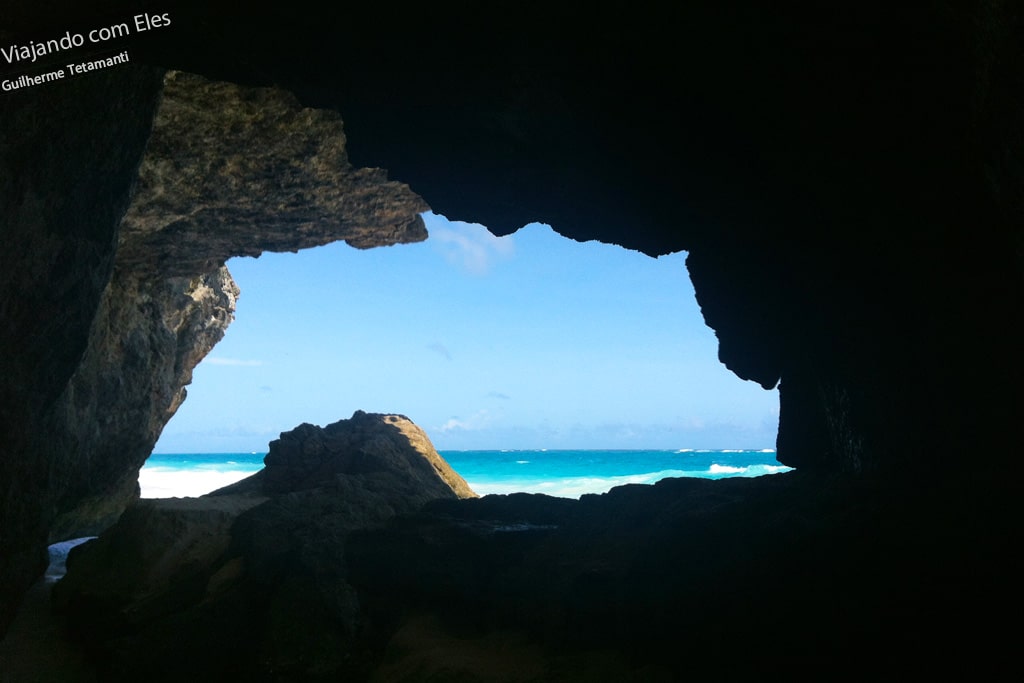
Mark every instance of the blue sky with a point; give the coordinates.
(527, 341)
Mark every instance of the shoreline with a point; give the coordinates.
(568, 473)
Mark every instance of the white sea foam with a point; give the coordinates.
(167, 482)
(569, 487)
(573, 487)
(726, 469)
(157, 481)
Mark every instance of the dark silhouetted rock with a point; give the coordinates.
(274, 542)
(689, 578)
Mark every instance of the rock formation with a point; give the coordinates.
(310, 457)
(849, 185)
(55, 267)
(348, 577)
(250, 580)
(214, 165)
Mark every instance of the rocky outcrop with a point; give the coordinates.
(366, 445)
(149, 334)
(348, 580)
(257, 163)
(223, 171)
(251, 578)
(236, 171)
(158, 550)
(808, 577)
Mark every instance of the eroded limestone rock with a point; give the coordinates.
(366, 445)
(236, 171)
(259, 565)
(227, 170)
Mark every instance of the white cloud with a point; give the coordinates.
(479, 420)
(452, 424)
(471, 246)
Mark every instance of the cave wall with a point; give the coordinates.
(149, 333)
(218, 171)
(69, 159)
(848, 182)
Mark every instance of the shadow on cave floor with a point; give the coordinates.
(790, 573)
(36, 649)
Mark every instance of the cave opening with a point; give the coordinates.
(498, 347)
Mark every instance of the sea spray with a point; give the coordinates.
(563, 473)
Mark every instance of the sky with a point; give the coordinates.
(527, 341)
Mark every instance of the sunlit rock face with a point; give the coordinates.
(224, 171)
(366, 445)
(228, 171)
(236, 171)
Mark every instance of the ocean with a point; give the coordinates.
(564, 473)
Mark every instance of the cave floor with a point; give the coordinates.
(35, 649)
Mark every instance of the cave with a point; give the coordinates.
(848, 184)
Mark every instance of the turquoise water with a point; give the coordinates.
(572, 473)
(566, 473)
